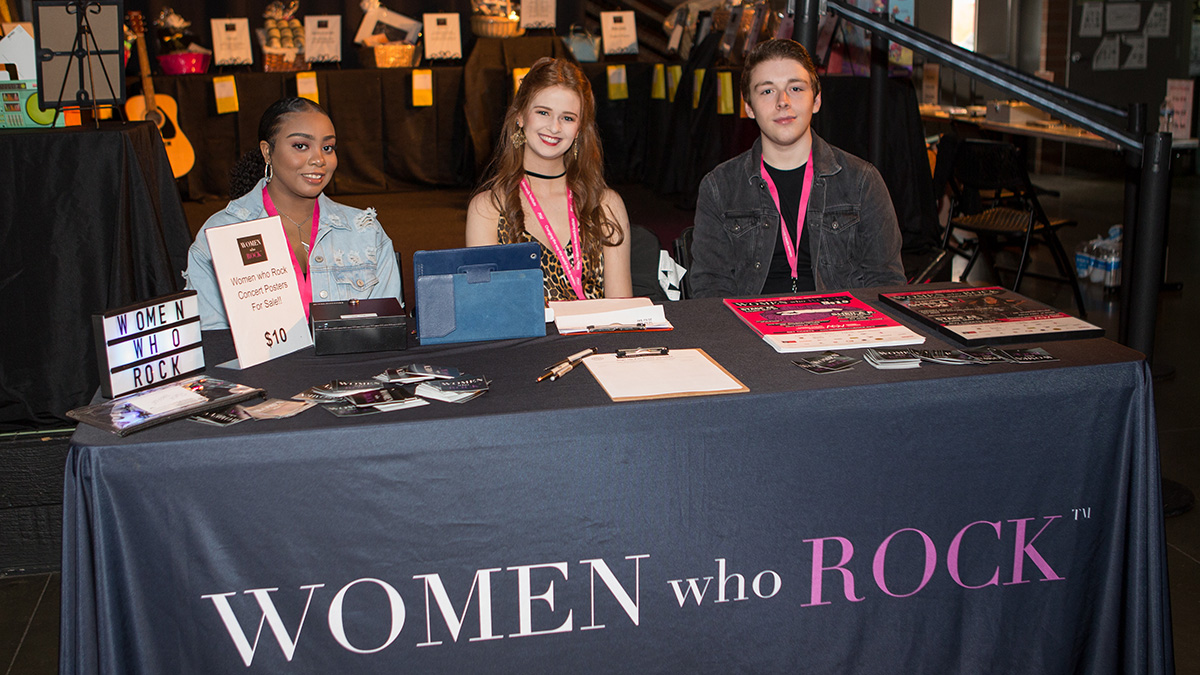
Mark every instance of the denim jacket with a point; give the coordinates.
(351, 258)
(854, 238)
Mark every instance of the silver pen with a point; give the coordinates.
(566, 365)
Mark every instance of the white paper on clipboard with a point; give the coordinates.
(682, 372)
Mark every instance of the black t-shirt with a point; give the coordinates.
(789, 184)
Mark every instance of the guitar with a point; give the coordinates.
(158, 108)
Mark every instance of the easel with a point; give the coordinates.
(48, 25)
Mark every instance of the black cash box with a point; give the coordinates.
(353, 326)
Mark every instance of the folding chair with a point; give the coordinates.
(995, 200)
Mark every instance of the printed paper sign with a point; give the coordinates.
(443, 39)
(931, 83)
(1137, 52)
(1108, 54)
(1122, 16)
(1158, 21)
(1179, 93)
(619, 31)
(323, 38)
(1091, 20)
(231, 42)
(259, 288)
(538, 13)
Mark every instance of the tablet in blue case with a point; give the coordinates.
(479, 293)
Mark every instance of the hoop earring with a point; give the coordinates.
(268, 172)
(518, 137)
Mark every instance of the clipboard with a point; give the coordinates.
(479, 293)
(682, 372)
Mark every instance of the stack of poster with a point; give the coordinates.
(989, 315)
(194, 395)
(809, 323)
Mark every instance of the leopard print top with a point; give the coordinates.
(555, 279)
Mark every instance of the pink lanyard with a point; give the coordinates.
(304, 280)
(788, 248)
(574, 271)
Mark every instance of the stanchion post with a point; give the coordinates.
(807, 23)
(879, 75)
(1133, 161)
(1146, 271)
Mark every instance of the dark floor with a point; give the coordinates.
(29, 604)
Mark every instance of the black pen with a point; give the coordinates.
(563, 367)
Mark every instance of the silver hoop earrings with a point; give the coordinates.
(268, 172)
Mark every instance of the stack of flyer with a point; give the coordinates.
(352, 398)
(457, 390)
(810, 323)
(893, 359)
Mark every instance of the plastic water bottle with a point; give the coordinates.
(1112, 266)
(1084, 260)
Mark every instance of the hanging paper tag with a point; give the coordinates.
(422, 88)
(618, 88)
(518, 75)
(306, 86)
(674, 75)
(697, 82)
(225, 91)
(724, 93)
(658, 85)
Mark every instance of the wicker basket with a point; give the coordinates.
(495, 26)
(284, 61)
(392, 55)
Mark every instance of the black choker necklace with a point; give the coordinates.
(544, 176)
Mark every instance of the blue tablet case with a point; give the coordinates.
(479, 293)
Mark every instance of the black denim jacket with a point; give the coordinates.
(854, 238)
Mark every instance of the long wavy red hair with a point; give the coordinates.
(585, 173)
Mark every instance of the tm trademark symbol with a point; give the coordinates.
(1082, 513)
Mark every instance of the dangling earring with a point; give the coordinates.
(518, 137)
(268, 172)
(575, 150)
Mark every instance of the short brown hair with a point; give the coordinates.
(778, 49)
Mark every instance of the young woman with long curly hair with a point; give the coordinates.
(546, 184)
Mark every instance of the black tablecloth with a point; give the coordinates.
(91, 221)
(954, 519)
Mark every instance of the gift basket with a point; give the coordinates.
(178, 51)
(282, 39)
(495, 19)
(389, 39)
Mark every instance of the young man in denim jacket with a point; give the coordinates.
(849, 236)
